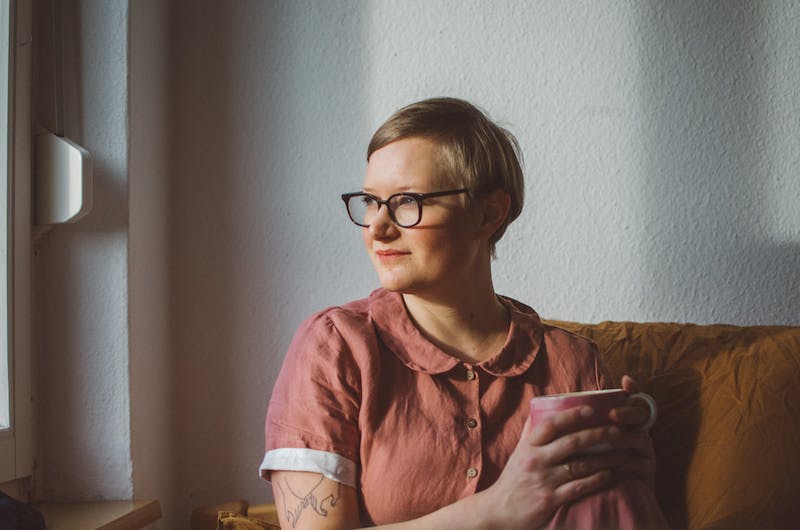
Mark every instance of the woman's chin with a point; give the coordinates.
(394, 282)
(394, 285)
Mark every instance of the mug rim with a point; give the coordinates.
(580, 393)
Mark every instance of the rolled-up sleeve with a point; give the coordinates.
(312, 418)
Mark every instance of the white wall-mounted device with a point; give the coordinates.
(63, 180)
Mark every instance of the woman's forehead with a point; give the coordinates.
(407, 164)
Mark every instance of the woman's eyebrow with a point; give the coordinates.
(373, 191)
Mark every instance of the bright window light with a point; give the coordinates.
(5, 239)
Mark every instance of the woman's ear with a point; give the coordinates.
(495, 208)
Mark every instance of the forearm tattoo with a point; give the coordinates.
(295, 504)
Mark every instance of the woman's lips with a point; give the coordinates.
(390, 254)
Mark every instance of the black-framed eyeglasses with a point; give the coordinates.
(405, 209)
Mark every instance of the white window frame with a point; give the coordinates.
(16, 443)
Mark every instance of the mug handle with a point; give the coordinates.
(651, 404)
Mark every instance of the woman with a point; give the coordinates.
(409, 409)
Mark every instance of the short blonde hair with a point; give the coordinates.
(477, 154)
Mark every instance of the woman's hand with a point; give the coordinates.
(636, 444)
(547, 469)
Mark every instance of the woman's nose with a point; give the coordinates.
(382, 226)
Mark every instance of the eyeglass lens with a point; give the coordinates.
(404, 209)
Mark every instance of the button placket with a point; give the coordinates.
(472, 425)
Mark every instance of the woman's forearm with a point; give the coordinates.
(469, 513)
(309, 501)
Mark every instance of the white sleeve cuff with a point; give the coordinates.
(331, 465)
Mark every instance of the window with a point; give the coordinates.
(5, 210)
(16, 444)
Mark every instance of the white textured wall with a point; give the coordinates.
(662, 154)
(661, 144)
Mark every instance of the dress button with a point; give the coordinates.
(471, 375)
(472, 423)
(472, 472)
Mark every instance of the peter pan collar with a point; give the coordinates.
(395, 328)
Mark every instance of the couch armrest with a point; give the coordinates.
(205, 517)
(265, 512)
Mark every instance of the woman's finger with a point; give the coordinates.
(629, 384)
(589, 465)
(557, 424)
(579, 443)
(614, 462)
(629, 416)
(575, 489)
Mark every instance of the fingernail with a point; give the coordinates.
(587, 411)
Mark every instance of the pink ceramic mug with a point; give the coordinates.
(602, 401)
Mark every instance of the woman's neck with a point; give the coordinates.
(471, 325)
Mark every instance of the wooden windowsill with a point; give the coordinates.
(104, 515)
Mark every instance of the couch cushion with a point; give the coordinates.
(728, 432)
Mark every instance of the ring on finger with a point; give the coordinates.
(568, 468)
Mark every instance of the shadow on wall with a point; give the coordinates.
(250, 83)
(710, 257)
(202, 268)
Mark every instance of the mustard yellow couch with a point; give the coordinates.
(727, 438)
